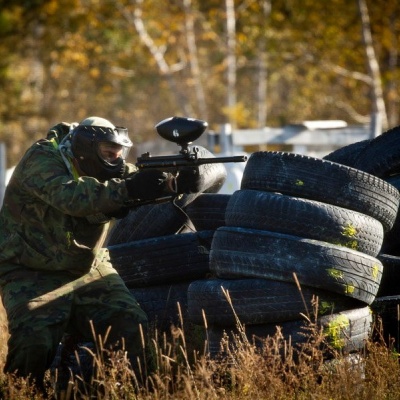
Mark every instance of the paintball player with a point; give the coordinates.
(55, 277)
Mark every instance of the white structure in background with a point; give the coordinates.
(233, 177)
(310, 138)
(234, 170)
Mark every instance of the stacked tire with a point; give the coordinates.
(158, 251)
(381, 157)
(299, 229)
(159, 270)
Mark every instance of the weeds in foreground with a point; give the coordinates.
(245, 368)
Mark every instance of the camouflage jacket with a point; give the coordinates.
(53, 219)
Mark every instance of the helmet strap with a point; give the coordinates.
(78, 169)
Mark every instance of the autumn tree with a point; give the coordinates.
(249, 62)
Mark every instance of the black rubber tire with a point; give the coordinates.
(391, 241)
(153, 220)
(386, 315)
(346, 332)
(207, 212)
(324, 181)
(382, 155)
(160, 303)
(347, 155)
(389, 285)
(147, 221)
(246, 253)
(310, 219)
(162, 260)
(258, 301)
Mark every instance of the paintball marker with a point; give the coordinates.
(182, 131)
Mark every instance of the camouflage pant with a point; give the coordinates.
(42, 305)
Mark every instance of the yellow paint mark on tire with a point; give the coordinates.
(352, 244)
(334, 330)
(349, 231)
(335, 273)
(375, 271)
(349, 289)
(338, 275)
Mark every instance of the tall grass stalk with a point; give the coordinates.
(248, 367)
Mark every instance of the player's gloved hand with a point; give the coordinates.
(149, 184)
(188, 181)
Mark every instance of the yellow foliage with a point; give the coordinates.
(238, 115)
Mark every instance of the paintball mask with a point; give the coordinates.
(90, 137)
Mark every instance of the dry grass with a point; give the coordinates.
(247, 370)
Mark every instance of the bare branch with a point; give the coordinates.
(362, 119)
(347, 73)
(122, 71)
(158, 53)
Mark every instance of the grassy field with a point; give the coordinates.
(276, 370)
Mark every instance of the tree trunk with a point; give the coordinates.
(193, 59)
(262, 73)
(379, 116)
(231, 61)
(393, 85)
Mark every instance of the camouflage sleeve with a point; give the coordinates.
(130, 169)
(45, 176)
